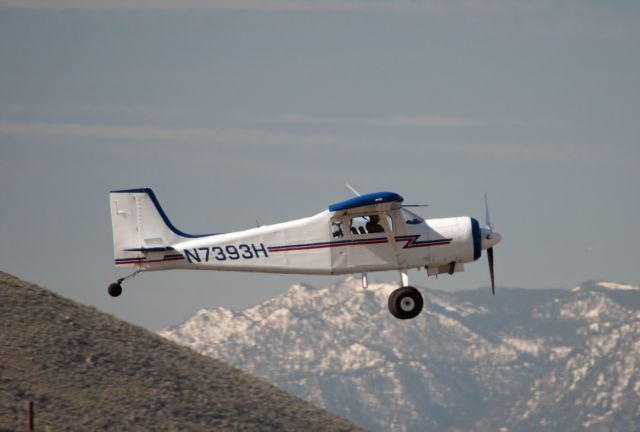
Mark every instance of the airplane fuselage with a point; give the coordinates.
(313, 246)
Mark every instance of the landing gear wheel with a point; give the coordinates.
(405, 303)
(115, 289)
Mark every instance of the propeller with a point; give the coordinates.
(487, 217)
(490, 249)
(493, 281)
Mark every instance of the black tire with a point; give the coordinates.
(115, 289)
(405, 303)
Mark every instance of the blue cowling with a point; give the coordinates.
(477, 239)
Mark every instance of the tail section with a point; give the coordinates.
(140, 227)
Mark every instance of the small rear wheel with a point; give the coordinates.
(115, 289)
(405, 303)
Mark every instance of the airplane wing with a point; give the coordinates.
(373, 202)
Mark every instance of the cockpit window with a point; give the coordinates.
(369, 224)
(411, 218)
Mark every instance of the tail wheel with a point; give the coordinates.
(405, 303)
(115, 289)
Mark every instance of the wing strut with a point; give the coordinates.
(390, 238)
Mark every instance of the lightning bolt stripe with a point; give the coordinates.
(411, 241)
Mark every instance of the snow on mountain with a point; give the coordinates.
(617, 286)
(607, 285)
(523, 360)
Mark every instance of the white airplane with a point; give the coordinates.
(373, 232)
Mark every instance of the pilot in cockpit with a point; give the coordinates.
(373, 226)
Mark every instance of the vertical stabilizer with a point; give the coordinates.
(140, 225)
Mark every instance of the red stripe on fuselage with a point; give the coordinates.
(410, 242)
(144, 261)
(322, 246)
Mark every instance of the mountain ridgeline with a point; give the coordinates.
(526, 359)
(85, 370)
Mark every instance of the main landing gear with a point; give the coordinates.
(115, 289)
(405, 302)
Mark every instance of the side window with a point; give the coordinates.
(336, 229)
(369, 224)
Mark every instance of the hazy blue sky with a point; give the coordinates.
(238, 110)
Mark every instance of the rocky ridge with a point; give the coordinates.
(86, 370)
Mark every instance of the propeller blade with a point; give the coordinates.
(487, 217)
(493, 282)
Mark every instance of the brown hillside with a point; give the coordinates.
(86, 370)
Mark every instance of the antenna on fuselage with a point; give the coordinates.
(352, 189)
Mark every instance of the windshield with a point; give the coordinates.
(410, 217)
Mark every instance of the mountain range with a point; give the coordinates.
(526, 359)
